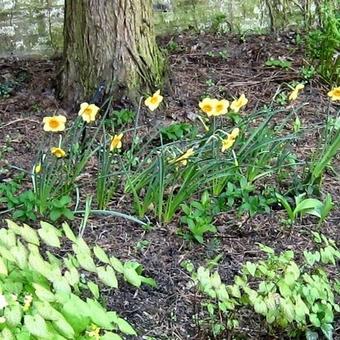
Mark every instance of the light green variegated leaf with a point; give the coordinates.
(101, 255)
(7, 334)
(39, 265)
(125, 327)
(98, 315)
(117, 265)
(49, 234)
(43, 293)
(132, 276)
(110, 336)
(61, 286)
(82, 246)
(13, 315)
(215, 280)
(20, 253)
(86, 262)
(3, 267)
(7, 238)
(300, 309)
(108, 276)
(69, 233)
(260, 306)
(72, 276)
(30, 235)
(14, 227)
(63, 327)
(37, 326)
(251, 268)
(6, 254)
(93, 289)
(46, 311)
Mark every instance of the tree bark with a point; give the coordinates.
(110, 41)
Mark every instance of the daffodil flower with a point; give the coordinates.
(116, 142)
(294, 94)
(88, 112)
(3, 302)
(183, 159)
(58, 152)
(228, 142)
(221, 107)
(54, 123)
(208, 106)
(153, 102)
(239, 103)
(334, 94)
(38, 168)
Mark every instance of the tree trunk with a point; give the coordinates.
(110, 41)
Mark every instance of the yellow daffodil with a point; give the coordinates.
(221, 107)
(208, 106)
(334, 94)
(94, 333)
(153, 102)
(27, 302)
(294, 94)
(2, 319)
(88, 112)
(228, 142)
(237, 104)
(54, 124)
(3, 302)
(116, 142)
(58, 152)
(183, 160)
(38, 168)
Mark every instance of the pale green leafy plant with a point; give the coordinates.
(42, 293)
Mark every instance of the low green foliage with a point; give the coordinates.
(310, 206)
(43, 293)
(198, 218)
(297, 299)
(178, 131)
(281, 63)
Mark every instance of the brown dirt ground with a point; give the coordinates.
(196, 68)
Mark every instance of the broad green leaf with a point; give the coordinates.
(39, 265)
(327, 330)
(310, 206)
(69, 233)
(234, 290)
(72, 276)
(46, 311)
(43, 293)
(64, 328)
(251, 268)
(61, 285)
(77, 312)
(98, 315)
(101, 255)
(7, 238)
(284, 289)
(30, 235)
(215, 280)
(93, 289)
(132, 276)
(13, 315)
(13, 226)
(314, 320)
(288, 309)
(20, 253)
(117, 265)
(108, 276)
(260, 306)
(6, 254)
(301, 309)
(3, 267)
(110, 336)
(7, 334)
(125, 327)
(49, 234)
(37, 326)
(85, 261)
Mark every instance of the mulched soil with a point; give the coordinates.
(221, 66)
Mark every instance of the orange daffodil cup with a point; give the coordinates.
(334, 94)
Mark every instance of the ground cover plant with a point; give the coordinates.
(128, 213)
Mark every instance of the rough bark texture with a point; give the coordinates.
(111, 41)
